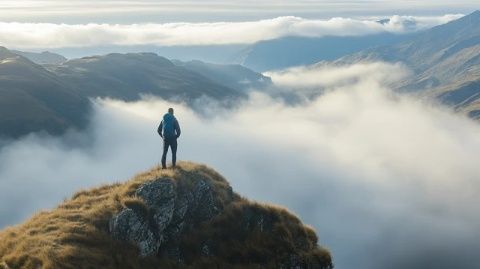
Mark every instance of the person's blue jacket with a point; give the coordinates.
(169, 127)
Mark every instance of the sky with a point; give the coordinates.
(102, 11)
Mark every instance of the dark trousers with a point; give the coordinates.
(172, 143)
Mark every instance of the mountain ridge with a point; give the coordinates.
(34, 99)
(41, 58)
(55, 97)
(295, 51)
(233, 76)
(127, 76)
(445, 61)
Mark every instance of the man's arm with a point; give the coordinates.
(160, 128)
(177, 128)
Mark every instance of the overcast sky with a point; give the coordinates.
(103, 11)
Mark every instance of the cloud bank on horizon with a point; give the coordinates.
(387, 180)
(124, 11)
(309, 79)
(50, 35)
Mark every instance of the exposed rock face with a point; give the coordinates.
(170, 211)
(173, 211)
(186, 220)
(132, 227)
(159, 197)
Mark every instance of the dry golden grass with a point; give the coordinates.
(75, 234)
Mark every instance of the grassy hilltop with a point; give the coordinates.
(242, 234)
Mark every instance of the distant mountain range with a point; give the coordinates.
(232, 75)
(45, 57)
(220, 54)
(295, 51)
(54, 97)
(262, 56)
(445, 61)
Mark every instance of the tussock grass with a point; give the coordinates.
(138, 205)
(75, 234)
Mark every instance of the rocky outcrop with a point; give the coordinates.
(169, 211)
(168, 217)
(128, 225)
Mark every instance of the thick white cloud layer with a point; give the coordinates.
(325, 76)
(50, 35)
(387, 180)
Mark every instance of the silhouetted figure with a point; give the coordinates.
(169, 130)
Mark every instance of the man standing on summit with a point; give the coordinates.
(169, 130)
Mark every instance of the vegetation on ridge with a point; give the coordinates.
(75, 234)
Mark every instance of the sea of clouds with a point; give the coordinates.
(388, 181)
(24, 35)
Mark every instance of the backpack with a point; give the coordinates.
(169, 126)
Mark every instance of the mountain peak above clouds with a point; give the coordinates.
(183, 218)
(5, 53)
(475, 14)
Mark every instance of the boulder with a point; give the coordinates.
(130, 226)
(170, 211)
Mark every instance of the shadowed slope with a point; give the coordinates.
(128, 76)
(445, 61)
(54, 97)
(33, 99)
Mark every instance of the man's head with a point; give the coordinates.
(170, 110)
